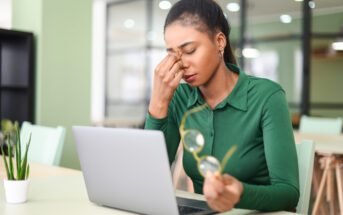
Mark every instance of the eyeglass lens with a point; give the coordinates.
(194, 140)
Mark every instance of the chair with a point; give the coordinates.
(305, 152)
(324, 161)
(319, 125)
(46, 143)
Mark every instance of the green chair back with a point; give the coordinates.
(320, 125)
(305, 152)
(46, 143)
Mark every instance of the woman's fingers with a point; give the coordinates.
(221, 202)
(178, 76)
(230, 194)
(160, 65)
(213, 205)
(228, 179)
(209, 190)
(164, 68)
(169, 71)
(165, 83)
(215, 182)
(222, 192)
(213, 187)
(233, 186)
(174, 70)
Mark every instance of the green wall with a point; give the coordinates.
(63, 63)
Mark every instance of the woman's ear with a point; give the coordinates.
(220, 40)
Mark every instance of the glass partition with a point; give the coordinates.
(273, 45)
(327, 59)
(126, 75)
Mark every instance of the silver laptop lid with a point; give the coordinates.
(126, 169)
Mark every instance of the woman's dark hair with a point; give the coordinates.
(205, 16)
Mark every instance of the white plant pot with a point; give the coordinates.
(16, 191)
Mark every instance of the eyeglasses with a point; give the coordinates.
(193, 141)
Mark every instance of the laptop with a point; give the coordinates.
(128, 169)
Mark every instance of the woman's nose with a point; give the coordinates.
(184, 62)
(178, 54)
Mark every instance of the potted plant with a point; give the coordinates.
(17, 182)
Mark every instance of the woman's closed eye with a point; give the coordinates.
(189, 51)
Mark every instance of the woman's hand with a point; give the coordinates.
(166, 79)
(222, 192)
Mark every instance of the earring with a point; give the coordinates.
(221, 53)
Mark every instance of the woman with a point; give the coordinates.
(249, 112)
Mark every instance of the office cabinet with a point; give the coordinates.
(16, 75)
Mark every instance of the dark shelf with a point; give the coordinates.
(16, 75)
(13, 88)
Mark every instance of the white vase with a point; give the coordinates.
(16, 191)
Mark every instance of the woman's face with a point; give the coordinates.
(199, 54)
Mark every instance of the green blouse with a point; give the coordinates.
(255, 118)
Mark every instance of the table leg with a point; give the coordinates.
(330, 190)
(320, 192)
(329, 185)
(339, 186)
(315, 181)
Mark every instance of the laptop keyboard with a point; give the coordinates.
(185, 210)
(191, 206)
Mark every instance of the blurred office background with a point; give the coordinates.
(94, 60)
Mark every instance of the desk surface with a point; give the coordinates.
(323, 143)
(67, 195)
(40, 170)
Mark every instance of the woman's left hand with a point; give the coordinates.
(222, 192)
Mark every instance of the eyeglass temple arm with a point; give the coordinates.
(227, 157)
(196, 109)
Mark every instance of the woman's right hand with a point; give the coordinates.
(168, 74)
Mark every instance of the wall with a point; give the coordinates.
(63, 63)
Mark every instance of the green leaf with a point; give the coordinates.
(10, 158)
(24, 162)
(18, 147)
(27, 171)
(17, 157)
(16, 125)
(5, 162)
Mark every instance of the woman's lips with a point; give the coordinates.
(189, 78)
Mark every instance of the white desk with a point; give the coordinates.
(328, 146)
(63, 195)
(323, 143)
